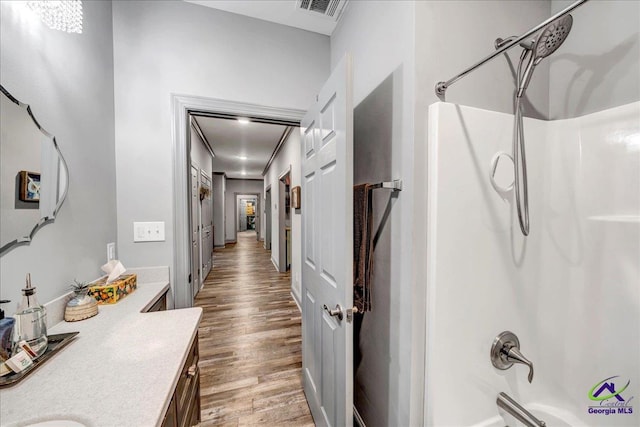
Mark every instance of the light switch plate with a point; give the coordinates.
(148, 231)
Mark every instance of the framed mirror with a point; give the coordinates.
(33, 174)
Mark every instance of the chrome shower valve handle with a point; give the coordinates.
(505, 351)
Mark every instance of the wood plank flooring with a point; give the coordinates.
(250, 341)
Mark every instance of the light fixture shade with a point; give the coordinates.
(59, 15)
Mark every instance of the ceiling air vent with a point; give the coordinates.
(328, 8)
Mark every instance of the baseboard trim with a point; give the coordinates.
(357, 418)
(293, 295)
(275, 264)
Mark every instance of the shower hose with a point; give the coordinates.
(519, 155)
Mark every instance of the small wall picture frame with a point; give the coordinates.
(29, 186)
(295, 197)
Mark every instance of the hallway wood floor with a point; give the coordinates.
(250, 341)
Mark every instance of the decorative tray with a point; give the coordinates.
(56, 343)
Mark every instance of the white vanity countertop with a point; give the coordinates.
(121, 370)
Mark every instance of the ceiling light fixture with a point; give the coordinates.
(243, 173)
(59, 15)
(242, 157)
(243, 120)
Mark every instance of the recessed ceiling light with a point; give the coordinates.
(243, 173)
(242, 157)
(243, 120)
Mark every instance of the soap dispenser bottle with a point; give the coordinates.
(31, 321)
(6, 329)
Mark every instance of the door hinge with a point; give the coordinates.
(189, 278)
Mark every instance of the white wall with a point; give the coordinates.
(68, 81)
(557, 288)
(599, 63)
(240, 186)
(218, 184)
(451, 36)
(289, 156)
(169, 47)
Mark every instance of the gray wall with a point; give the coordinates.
(240, 186)
(373, 129)
(169, 47)
(218, 184)
(455, 34)
(288, 157)
(598, 66)
(68, 80)
(381, 38)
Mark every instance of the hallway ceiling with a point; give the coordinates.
(285, 12)
(232, 140)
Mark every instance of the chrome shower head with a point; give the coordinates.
(548, 41)
(552, 37)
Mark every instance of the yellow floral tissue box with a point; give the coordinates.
(113, 292)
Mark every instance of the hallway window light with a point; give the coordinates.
(59, 15)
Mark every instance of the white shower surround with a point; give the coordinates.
(570, 291)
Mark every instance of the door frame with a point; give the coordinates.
(237, 207)
(181, 107)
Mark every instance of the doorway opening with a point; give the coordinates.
(247, 217)
(184, 108)
(284, 221)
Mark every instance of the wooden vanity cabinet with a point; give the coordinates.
(160, 305)
(184, 409)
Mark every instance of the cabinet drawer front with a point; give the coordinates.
(191, 411)
(188, 377)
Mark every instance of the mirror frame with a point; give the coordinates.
(24, 240)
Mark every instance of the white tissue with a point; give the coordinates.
(114, 269)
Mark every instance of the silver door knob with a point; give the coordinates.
(336, 312)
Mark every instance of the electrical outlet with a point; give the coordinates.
(111, 251)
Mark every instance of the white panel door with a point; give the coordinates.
(327, 250)
(195, 232)
(206, 230)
